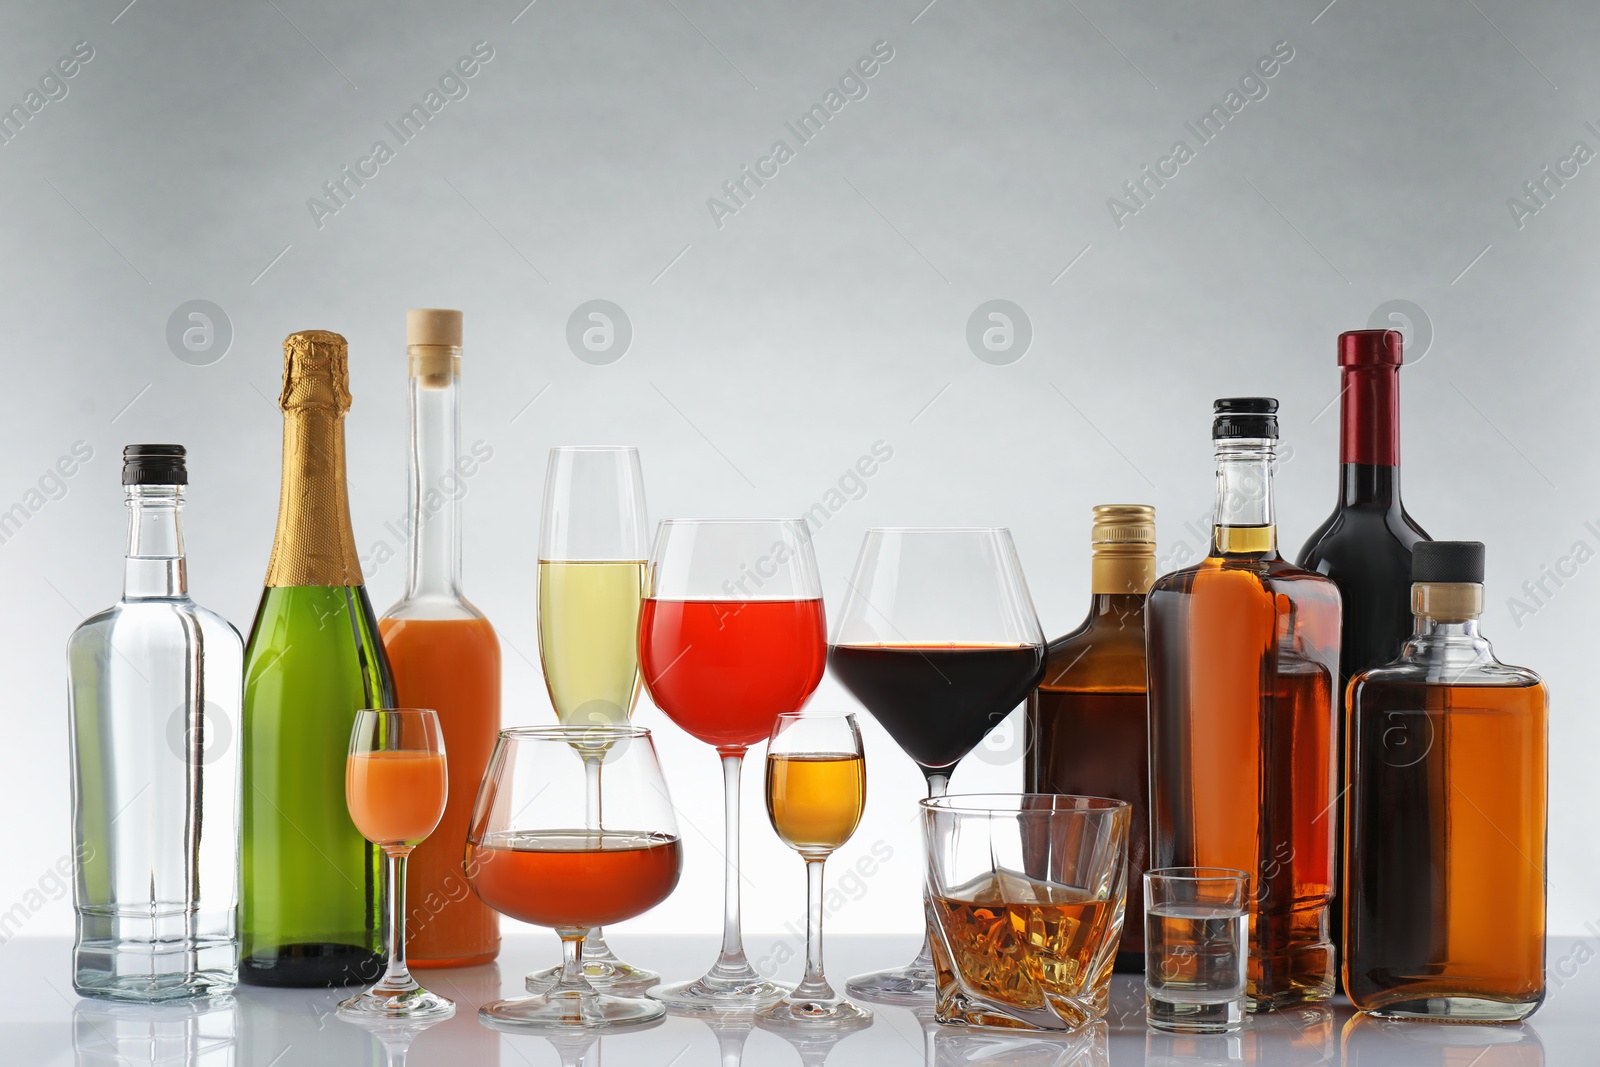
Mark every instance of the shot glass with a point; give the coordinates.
(1196, 919)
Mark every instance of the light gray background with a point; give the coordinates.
(828, 314)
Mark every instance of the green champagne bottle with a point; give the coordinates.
(311, 898)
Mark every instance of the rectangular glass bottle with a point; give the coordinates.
(444, 653)
(154, 694)
(1086, 722)
(1446, 813)
(1244, 661)
(310, 911)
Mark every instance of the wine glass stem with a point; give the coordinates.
(938, 786)
(397, 974)
(814, 986)
(732, 938)
(592, 765)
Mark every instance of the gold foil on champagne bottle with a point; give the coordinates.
(314, 544)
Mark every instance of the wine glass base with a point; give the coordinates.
(721, 994)
(912, 986)
(413, 1004)
(607, 976)
(803, 1014)
(569, 1011)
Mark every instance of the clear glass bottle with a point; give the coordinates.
(155, 686)
(1445, 816)
(1244, 664)
(444, 653)
(1087, 721)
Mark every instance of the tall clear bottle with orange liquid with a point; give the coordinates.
(444, 653)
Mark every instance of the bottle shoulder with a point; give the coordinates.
(1270, 572)
(439, 608)
(1363, 540)
(1420, 670)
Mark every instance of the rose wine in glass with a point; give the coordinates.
(544, 850)
(592, 544)
(731, 637)
(395, 785)
(940, 642)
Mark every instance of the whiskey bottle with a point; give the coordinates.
(1086, 722)
(1243, 668)
(1444, 888)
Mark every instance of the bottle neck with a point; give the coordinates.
(1369, 416)
(1120, 571)
(1244, 522)
(1446, 631)
(436, 486)
(155, 565)
(314, 544)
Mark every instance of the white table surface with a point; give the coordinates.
(42, 1024)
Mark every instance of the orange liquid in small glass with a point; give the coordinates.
(395, 796)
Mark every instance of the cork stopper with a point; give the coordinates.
(433, 326)
(1124, 542)
(316, 372)
(433, 346)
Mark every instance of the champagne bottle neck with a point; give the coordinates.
(155, 565)
(1244, 512)
(314, 544)
(437, 484)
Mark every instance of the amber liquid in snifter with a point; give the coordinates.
(816, 800)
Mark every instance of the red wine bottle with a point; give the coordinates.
(1365, 545)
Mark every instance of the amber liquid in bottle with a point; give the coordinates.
(1445, 852)
(1244, 653)
(1087, 721)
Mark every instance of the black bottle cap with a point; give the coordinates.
(1245, 416)
(1447, 561)
(154, 465)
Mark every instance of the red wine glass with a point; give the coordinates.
(731, 636)
(939, 640)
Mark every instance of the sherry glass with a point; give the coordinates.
(536, 853)
(731, 637)
(592, 545)
(938, 638)
(816, 791)
(395, 785)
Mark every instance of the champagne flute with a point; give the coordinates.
(534, 854)
(731, 636)
(816, 791)
(395, 785)
(592, 544)
(939, 640)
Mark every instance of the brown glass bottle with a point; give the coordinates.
(1243, 657)
(1445, 820)
(1087, 720)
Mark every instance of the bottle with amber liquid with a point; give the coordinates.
(1444, 889)
(1243, 669)
(1087, 720)
(444, 652)
(310, 910)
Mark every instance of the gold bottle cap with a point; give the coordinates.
(316, 371)
(1133, 525)
(1124, 543)
(433, 326)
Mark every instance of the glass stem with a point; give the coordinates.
(938, 785)
(596, 940)
(814, 986)
(732, 962)
(398, 975)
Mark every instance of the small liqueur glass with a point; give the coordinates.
(816, 792)
(535, 854)
(1196, 922)
(395, 785)
(1025, 903)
